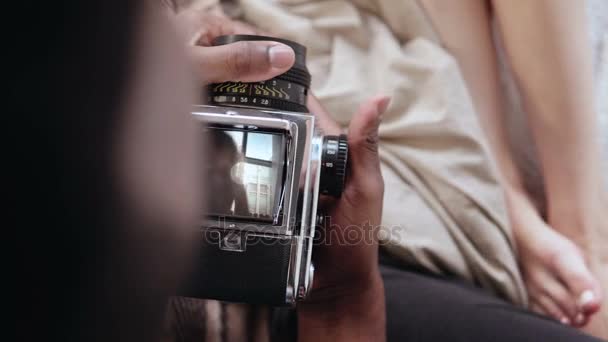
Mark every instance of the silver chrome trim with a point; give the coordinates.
(302, 174)
(235, 119)
(309, 223)
(297, 127)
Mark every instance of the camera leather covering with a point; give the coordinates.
(258, 276)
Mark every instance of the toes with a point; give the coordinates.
(560, 295)
(581, 284)
(550, 307)
(589, 302)
(581, 320)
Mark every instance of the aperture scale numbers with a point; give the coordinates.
(258, 93)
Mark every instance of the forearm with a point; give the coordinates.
(547, 45)
(360, 317)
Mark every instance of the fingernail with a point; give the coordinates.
(579, 319)
(586, 298)
(383, 105)
(281, 56)
(565, 320)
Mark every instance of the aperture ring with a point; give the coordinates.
(273, 94)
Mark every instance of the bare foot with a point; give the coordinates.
(588, 229)
(559, 282)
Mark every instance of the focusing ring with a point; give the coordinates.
(296, 75)
(287, 91)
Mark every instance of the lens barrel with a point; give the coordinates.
(286, 92)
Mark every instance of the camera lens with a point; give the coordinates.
(334, 156)
(286, 92)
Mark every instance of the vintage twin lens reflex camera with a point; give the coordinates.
(268, 165)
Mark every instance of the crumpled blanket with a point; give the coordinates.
(444, 209)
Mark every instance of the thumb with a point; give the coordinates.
(363, 137)
(246, 61)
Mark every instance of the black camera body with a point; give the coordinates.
(268, 166)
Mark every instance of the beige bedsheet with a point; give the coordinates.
(443, 206)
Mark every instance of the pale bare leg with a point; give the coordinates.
(552, 254)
